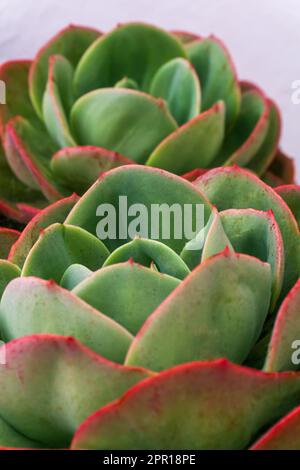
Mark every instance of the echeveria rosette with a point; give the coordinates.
(135, 95)
(120, 344)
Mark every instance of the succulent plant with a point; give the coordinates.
(90, 102)
(144, 343)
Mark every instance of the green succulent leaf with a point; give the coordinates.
(290, 193)
(32, 306)
(62, 44)
(145, 186)
(79, 167)
(284, 435)
(127, 83)
(210, 241)
(54, 213)
(81, 382)
(217, 76)
(203, 406)
(195, 144)
(8, 272)
(28, 150)
(240, 189)
(178, 84)
(256, 233)
(250, 130)
(146, 252)
(125, 121)
(58, 247)
(14, 75)
(284, 342)
(7, 239)
(58, 100)
(145, 49)
(74, 275)
(225, 294)
(10, 438)
(137, 292)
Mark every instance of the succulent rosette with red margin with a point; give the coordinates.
(90, 102)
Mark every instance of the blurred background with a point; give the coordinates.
(263, 36)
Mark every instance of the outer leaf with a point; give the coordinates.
(79, 167)
(81, 382)
(282, 353)
(196, 144)
(282, 170)
(58, 99)
(56, 212)
(178, 84)
(283, 436)
(236, 188)
(31, 306)
(141, 185)
(185, 37)
(146, 252)
(290, 193)
(63, 44)
(58, 247)
(15, 76)
(125, 121)
(137, 291)
(217, 76)
(145, 48)
(7, 238)
(8, 271)
(203, 405)
(225, 294)
(28, 151)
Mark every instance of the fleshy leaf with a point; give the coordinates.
(249, 132)
(58, 247)
(195, 144)
(58, 100)
(8, 272)
(28, 152)
(137, 292)
(210, 241)
(74, 275)
(63, 44)
(10, 438)
(290, 193)
(284, 435)
(7, 238)
(127, 83)
(237, 188)
(203, 406)
(145, 49)
(178, 84)
(282, 170)
(55, 213)
(15, 76)
(217, 76)
(79, 167)
(185, 36)
(146, 252)
(125, 121)
(32, 306)
(256, 233)
(284, 343)
(149, 188)
(225, 294)
(81, 382)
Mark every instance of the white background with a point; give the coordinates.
(263, 36)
